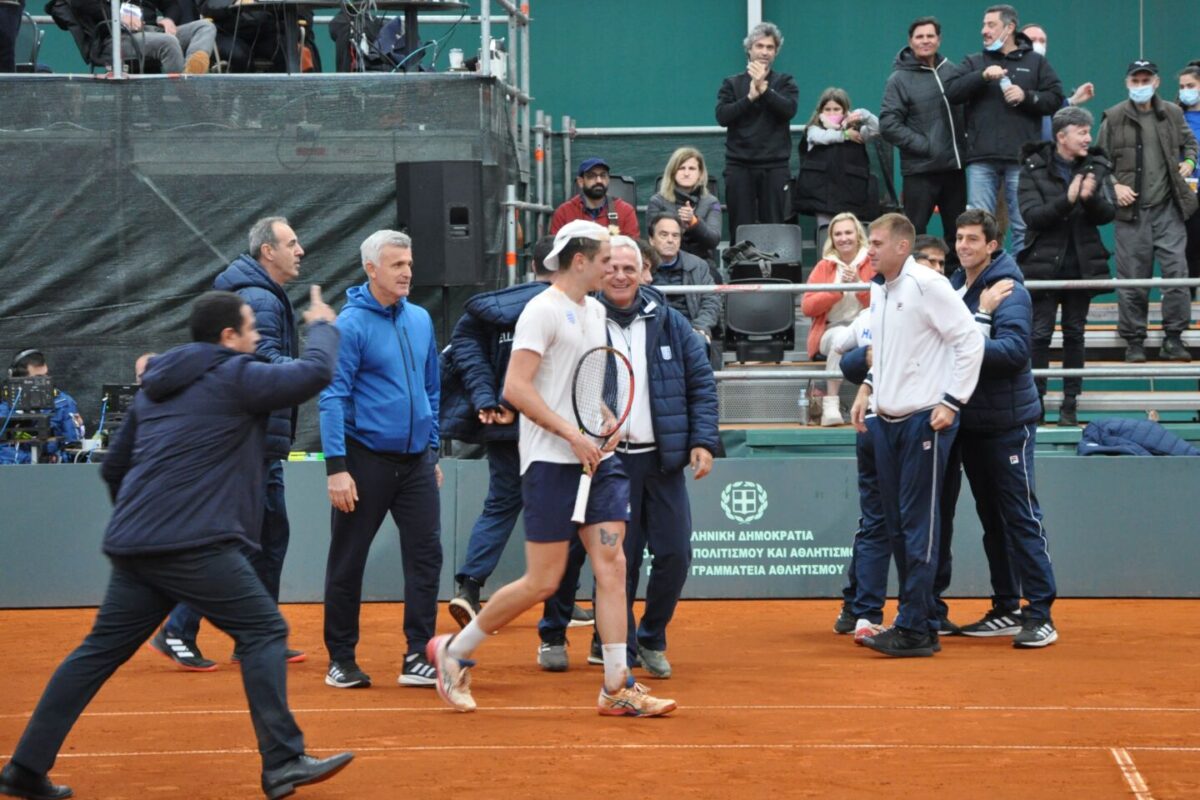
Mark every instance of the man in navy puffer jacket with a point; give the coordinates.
(379, 429)
(672, 424)
(186, 473)
(258, 277)
(996, 441)
(472, 410)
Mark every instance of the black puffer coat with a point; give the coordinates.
(917, 118)
(1052, 220)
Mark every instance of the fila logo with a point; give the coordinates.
(899, 305)
(926, 445)
(1014, 459)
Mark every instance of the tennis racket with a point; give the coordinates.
(601, 395)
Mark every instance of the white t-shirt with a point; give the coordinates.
(639, 427)
(559, 330)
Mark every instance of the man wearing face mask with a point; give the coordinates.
(1152, 151)
(1006, 89)
(1189, 101)
(1086, 91)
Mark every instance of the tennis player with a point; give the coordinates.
(553, 332)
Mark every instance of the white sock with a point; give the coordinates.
(463, 644)
(862, 623)
(614, 665)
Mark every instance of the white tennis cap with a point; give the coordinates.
(577, 229)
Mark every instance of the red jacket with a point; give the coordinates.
(573, 210)
(817, 305)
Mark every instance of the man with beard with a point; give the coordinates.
(594, 205)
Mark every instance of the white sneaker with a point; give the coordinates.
(831, 411)
(453, 674)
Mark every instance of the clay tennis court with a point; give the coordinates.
(772, 704)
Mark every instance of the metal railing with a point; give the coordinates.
(801, 288)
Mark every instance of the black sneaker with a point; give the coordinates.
(16, 781)
(581, 617)
(901, 643)
(346, 675)
(935, 643)
(465, 605)
(183, 652)
(1135, 353)
(845, 621)
(292, 656)
(1036, 633)
(417, 671)
(1173, 349)
(996, 622)
(948, 628)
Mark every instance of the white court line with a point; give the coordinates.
(560, 709)
(1134, 778)
(797, 746)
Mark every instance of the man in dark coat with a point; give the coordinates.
(185, 473)
(996, 442)
(258, 277)
(672, 425)
(928, 131)
(1065, 197)
(756, 109)
(1006, 89)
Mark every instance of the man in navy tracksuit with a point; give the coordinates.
(926, 355)
(185, 471)
(672, 423)
(472, 410)
(996, 441)
(258, 277)
(379, 429)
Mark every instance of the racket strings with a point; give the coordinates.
(602, 387)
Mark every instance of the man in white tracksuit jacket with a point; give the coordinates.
(927, 351)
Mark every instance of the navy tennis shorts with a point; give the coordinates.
(548, 491)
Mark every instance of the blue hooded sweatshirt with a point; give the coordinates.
(185, 469)
(280, 342)
(1006, 396)
(386, 390)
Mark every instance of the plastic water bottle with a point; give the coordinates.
(802, 406)
(1005, 83)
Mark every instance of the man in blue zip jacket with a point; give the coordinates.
(185, 472)
(258, 277)
(65, 423)
(996, 441)
(672, 424)
(379, 429)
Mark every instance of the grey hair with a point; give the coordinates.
(373, 245)
(263, 232)
(1008, 14)
(1071, 115)
(761, 31)
(629, 244)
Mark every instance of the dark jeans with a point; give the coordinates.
(1075, 307)
(406, 487)
(500, 512)
(274, 535)
(10, 25)
(1193, 246)
(755, 195)
(217, 581)
(947, 191)
(866, 585)
(253, 42)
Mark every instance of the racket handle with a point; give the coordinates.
(581, 498)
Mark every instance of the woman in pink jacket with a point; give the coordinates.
(844, 261)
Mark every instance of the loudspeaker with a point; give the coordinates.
(440, 205)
